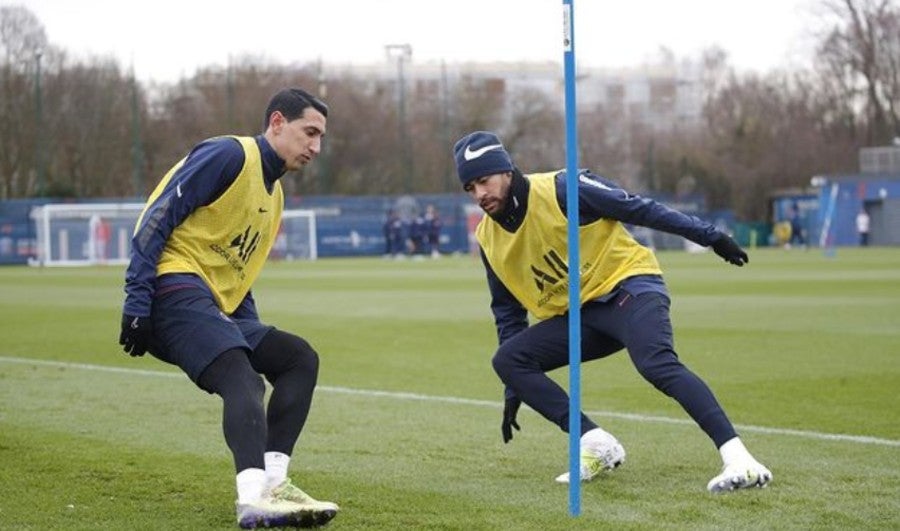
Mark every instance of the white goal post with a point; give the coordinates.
(83, 234)
(297, 238)
(79, 234)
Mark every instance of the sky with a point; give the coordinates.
(166, 40)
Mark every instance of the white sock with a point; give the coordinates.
(250, 484)
(734, 451)
(276, 468)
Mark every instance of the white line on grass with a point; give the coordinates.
(860, 439)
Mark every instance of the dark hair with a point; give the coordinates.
(291, 102)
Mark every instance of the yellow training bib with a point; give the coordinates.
(533, 261)
(227, 242)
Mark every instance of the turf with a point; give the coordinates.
(801, 348)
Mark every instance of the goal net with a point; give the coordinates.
(69, 234)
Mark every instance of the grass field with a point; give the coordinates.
(803, 351)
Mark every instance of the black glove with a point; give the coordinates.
(510, 409)
(136, 333)
(729, 250)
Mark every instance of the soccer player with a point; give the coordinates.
(434, 224)
(624, 301)
(198, 246)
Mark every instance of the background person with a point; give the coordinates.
(625, 303)
(98, 239)
(418, 234)
(798, 234)
(862, 227)
(433, 225)
(199, 245)
(390, 229)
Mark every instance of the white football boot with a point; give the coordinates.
(743, 474)
(599, 451)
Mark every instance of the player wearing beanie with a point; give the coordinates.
(624, 300)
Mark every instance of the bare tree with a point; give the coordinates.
(604, 135)
(23, 42)
(535, 132)
(362, 150)
(91, 143)
(858, 59)
(77, 128)
(479, 105)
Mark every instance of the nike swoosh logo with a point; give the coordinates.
(468, 154)
(178, 189)
(262, 210)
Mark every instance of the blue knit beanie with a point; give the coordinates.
(478, 154)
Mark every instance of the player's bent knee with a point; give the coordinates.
(280, 352)
(254, 383)
(662, 373)
(504, 364)
(231, 374)
(304, 356)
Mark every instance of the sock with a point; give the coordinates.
(250, 485)
(276, 468)
(734, 451)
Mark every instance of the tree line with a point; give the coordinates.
(87, 128)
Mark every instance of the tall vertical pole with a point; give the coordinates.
(39, 140)
(450, 184)
(404, 136)
(403, 53)
(229, 96)
(574, 261)
(324, 157)
(137, 152)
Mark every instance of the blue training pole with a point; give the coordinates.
(574, 262)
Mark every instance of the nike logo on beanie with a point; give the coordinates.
(468, 154)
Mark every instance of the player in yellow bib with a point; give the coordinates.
(198, 246)
(624, 301)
